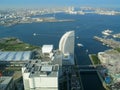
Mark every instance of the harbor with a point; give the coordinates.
(95, 62)
(25, 33)
(109, 42)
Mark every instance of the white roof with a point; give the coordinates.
(15, 56)
(46, 68)
(47, 48)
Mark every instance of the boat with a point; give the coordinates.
(86, 50)
(116, 35)
(34, 34)
(103, 43)
(77, 37)
(80, 45)
(107, 32)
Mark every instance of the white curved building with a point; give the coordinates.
(66, 46)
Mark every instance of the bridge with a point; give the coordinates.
(79, 66)
(87, 68)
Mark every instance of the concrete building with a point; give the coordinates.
(6, 83)
(44, 74)
(111, 60)
(39, 75)
(47, 50)
(66, 46)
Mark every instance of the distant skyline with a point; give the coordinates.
(58, 3)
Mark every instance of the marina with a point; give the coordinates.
(86, 38)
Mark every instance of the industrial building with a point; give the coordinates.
(66, 46)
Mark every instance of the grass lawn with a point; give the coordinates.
(14, 44)
(118, 49)
(95, 59)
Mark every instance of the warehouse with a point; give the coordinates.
(15, 56)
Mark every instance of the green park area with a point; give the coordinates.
(94, 59)
(118, 49)
(14, 44)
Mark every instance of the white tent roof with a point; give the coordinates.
(15, 55)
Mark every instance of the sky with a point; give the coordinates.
(58, 3)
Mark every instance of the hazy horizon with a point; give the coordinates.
(60, 3)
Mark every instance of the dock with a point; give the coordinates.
(109, 42)
(100, 77)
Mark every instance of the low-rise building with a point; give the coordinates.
(15, 58)
(47, 50)
(111, 60)
(6, 83)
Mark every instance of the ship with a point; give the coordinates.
(77, 37)
(80, 45)
(34, 34)
(107, 32)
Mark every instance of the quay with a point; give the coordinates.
(109, 42)
(94, 63)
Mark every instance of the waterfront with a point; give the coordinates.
(85, 27)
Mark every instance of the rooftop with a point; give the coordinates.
(4, 81)
(111, 55)
(46, 68)
(39, 69)
(15, 56)
(111, 60)
(47, 48)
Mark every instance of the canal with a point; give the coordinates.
(90, 80)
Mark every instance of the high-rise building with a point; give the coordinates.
(44, 74)
(66, 46)
(39, 75)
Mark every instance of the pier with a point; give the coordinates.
(109, 42)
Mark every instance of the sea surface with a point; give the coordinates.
(85, 27)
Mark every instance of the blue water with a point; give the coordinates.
(85, 27)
